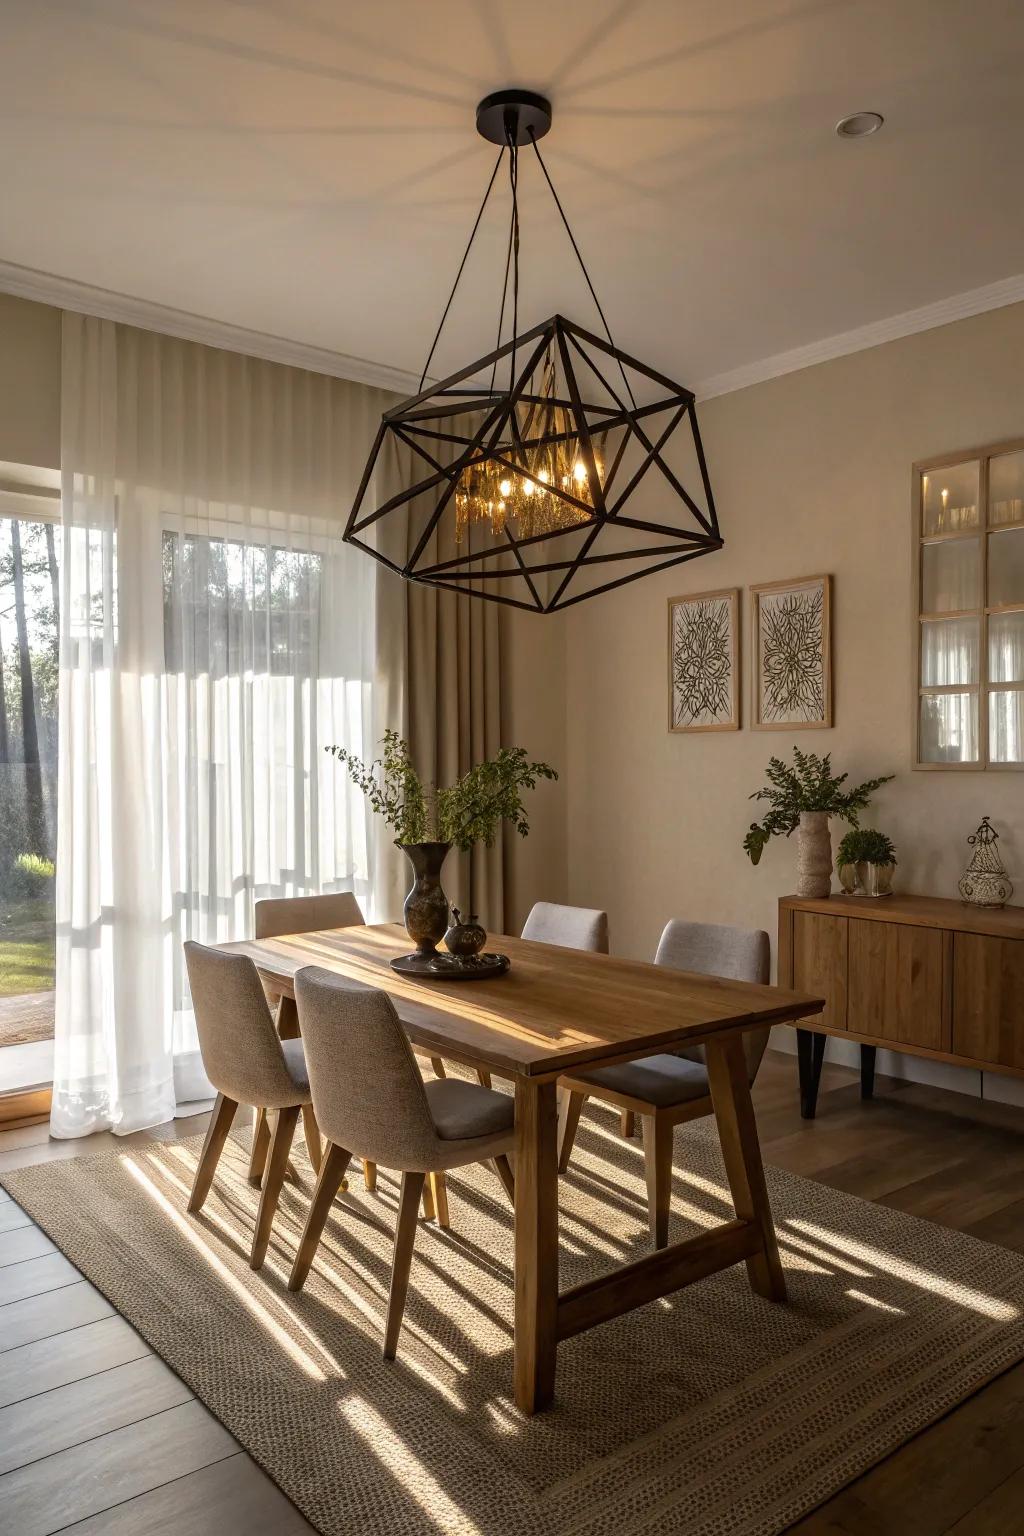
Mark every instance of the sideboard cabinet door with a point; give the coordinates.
(819, 963)
(899, 983)
(988, 999)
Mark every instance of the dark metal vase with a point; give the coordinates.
(426, 906)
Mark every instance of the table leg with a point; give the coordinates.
(536, 1243)
(737, 1129)
(288, 1019)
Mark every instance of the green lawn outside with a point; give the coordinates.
(26, 947)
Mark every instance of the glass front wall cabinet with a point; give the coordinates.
(969, 624)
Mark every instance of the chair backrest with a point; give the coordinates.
(367, 1091)
(239, 1044)
(715, 949)
(569, 927)
(306, 914)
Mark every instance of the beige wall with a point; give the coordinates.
(29, 383)
(812, 473)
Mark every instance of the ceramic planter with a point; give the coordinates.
(814, 855)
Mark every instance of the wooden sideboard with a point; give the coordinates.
(919, 974)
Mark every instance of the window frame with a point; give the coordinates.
(982, 532)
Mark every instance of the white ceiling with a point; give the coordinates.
(310, 169)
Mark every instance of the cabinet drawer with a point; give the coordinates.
(988, 999)
(819, 963)
(898, 985)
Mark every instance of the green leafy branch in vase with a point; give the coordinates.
(468, 812)
(392, 787)
(809, 786)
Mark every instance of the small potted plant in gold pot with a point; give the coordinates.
(865, 861)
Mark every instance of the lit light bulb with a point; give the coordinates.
(544, 477)
(579, 471)
(505, 487)
(528, 487)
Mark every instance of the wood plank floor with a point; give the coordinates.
(98, 1438)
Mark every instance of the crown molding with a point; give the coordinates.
(960, 306)
(84, 298)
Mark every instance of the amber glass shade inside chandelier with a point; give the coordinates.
(548, 490)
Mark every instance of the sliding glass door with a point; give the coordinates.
(29, 629)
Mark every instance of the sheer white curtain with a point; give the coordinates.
(217, 635)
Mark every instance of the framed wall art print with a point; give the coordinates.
(704, 661)
(790, 626)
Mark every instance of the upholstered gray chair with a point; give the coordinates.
(372, 1102)
(247, 1063)
(306, 914)
(568, 927)
(276, 916)
(668, 1089)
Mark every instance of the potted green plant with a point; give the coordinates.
(803, 797)
(865, 861)
(429, 822)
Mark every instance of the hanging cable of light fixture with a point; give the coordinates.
(516, 475)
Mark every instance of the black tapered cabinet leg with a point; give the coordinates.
(810, 1049)
(867, 1071)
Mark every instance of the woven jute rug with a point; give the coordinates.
(710, 1413)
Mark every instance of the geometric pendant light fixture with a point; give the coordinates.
(552, 468)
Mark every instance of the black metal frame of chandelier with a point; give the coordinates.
(447, 400)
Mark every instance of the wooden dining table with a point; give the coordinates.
(557, 1009)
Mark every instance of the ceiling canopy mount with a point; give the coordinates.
(518, 117)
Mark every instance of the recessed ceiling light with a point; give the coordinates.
(859, 124)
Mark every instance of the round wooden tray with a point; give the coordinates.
(445, 967)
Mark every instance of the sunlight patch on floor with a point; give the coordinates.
(892, 1265)
(394, 1454)
(831, 1261)
(193, 1235)
(873, 1301)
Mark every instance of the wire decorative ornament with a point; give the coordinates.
(791, 625)
(704, 661)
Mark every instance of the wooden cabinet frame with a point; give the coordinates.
(952, 920)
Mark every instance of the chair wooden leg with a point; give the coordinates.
(284, 1130)
(569, 1105)
(658, 1164)
(369, 1175)
(260, 1148)
(330, 1180)
(484, 1077)
(439, 1192)
(311, 1131)
(438, 1066)
(627, 1123)
(427, 1200)
(216, 1135)
(503, 1168)
(405, 1237)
